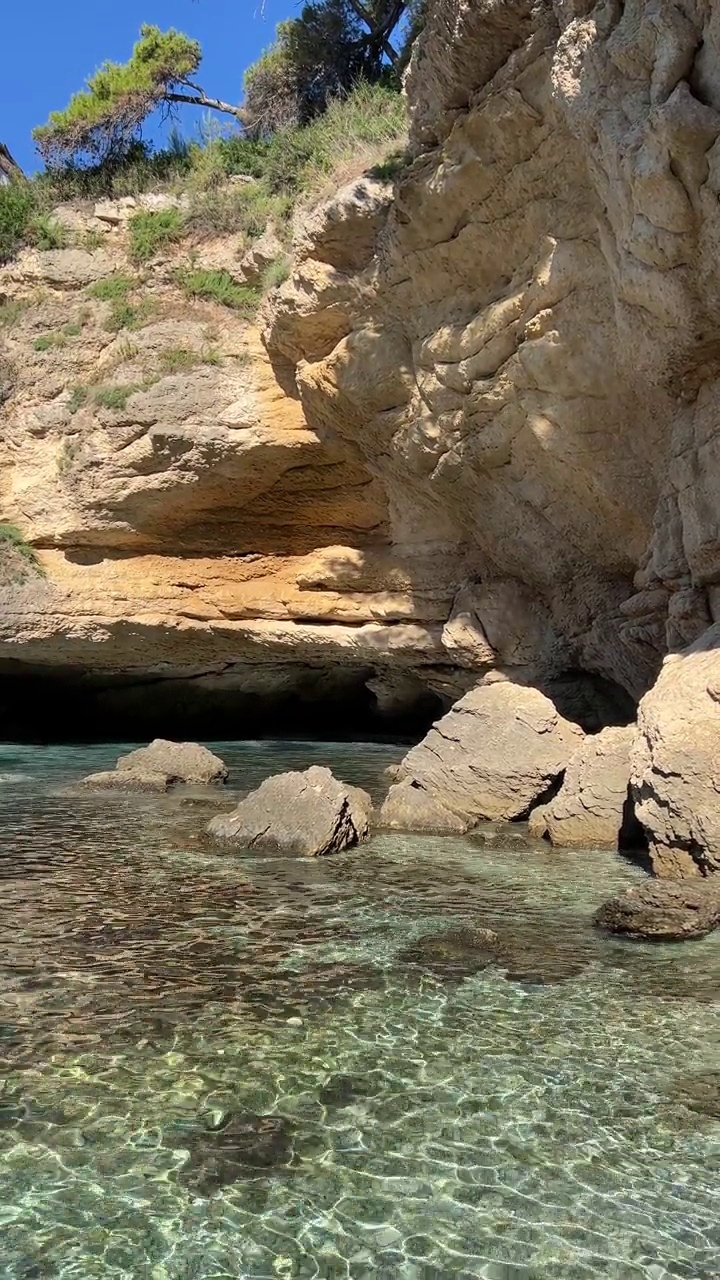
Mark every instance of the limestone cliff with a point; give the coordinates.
(479, 430)
(529, 359)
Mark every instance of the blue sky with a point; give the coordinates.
(50, 48)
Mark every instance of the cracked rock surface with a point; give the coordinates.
(590, 810)
(495, 752)
(305, 813)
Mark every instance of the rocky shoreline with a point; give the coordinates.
(468, 771)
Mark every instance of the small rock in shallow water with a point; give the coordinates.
(159, 767)
(456, 953)
(408, 807)
(342, 1091)
(307, 814)
(663, 910)
(245, 1145)
(700, 1093)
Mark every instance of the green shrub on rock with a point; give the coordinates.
(151, 231)
(219, 286)
(17, 210)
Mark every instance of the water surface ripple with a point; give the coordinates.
(217, 1066)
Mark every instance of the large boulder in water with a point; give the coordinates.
(674, 763)
(494, 753)
(591, 809)
(663, 910)
(159, 767)
(309, 813)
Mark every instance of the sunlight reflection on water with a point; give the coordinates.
(221, 1066)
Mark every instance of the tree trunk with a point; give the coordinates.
(200, 100)
(9, 168)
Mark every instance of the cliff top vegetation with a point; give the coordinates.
(322, 102)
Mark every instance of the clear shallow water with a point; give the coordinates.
(519, 1122)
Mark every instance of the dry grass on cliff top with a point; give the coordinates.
(293, 168)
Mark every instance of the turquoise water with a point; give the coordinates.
(216, 1066)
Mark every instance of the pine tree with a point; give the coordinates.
(102, 121)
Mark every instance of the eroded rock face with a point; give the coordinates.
(482, 431)
(591, 809)
(309, 813)
(663, 911)
(495, 752)
(675, 778)
(159, 767)
(521, 360)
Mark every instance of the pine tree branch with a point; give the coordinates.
(199, 99)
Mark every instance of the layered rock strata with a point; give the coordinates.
(479, 433)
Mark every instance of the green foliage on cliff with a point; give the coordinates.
(219, 286)
(151, 231)
(294, 166)
(11, 311)
(316, 58)
(102, 120)
(17, 558)
(25, 221)
(17, 207)
(327, 86)
(78, 396)
(112, 289)
(300, 161)
(323, 54)
(115, 396)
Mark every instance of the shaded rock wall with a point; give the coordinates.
(529, 360)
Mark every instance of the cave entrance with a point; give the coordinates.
(56, 705)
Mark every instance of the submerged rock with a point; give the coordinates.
(491, 757)
(244, 1145)
(342, 1091)
(663, 910)
(700, 1093)
(309, 814)
(279, 993)
(542, 965)
(159, 767)
(113, 780)
(459, 953)
(456, 953)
